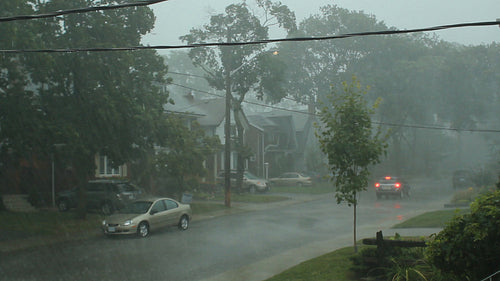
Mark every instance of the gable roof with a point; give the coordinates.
(297, 125)
(209, 112)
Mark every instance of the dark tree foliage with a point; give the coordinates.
(468, 246)
(89, 102)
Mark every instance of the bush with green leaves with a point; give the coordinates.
(391, 263)
(468, 248)
(2, 206)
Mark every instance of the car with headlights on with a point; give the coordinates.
(392, 186)
(142, 216)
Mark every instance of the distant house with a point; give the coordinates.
(286, 136)
(209, 113)
(277, 140)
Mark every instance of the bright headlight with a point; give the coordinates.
(127, 222)
(104, 222)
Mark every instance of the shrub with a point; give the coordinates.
(2, 206)
(469, 246)
(391, 263)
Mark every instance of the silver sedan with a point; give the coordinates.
(144, 215)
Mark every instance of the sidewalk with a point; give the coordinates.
(267, 268)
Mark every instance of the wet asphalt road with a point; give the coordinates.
(221, 244)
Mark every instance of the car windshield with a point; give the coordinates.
(128, 187)
(137, 207)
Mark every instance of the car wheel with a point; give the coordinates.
(184, 223)
(107, 208)
(143, 229)
(252, 189)
(62, 205)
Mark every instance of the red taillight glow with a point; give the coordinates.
(387, 177)
(397, 185)
(377, 185)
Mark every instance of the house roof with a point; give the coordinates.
(297, 123)
(262, 121)
(301, 119)
(209, 112)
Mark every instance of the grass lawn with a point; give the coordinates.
(47, 223)
(431, 219)
(206, 207)
(336, 265)
(331, 266)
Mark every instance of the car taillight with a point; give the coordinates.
(377, 185)
(387, 177)
(397, 185)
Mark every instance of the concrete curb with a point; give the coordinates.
(12, 245)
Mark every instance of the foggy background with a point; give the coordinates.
(175, 18)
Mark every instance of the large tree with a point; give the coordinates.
(94, 102)
(313, 65)
(402, 70)
(346, 136)
(22, 124)
(238, 70)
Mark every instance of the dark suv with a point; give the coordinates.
(103, 195)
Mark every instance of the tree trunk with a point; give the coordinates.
(240, 164)
(227, 144)
(354, 233)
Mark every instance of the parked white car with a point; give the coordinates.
(251, 182)
(291, 179)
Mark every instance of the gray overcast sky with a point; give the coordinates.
(175, 18)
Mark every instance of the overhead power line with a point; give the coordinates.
(248, 102)
(81, 10)
(267, 41)
(412, 126)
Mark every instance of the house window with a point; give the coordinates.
(106, 169)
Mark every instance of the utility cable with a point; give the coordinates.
(81, 10)
(186, 74)
(267, 41)
(374, 122)
(245, 101)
